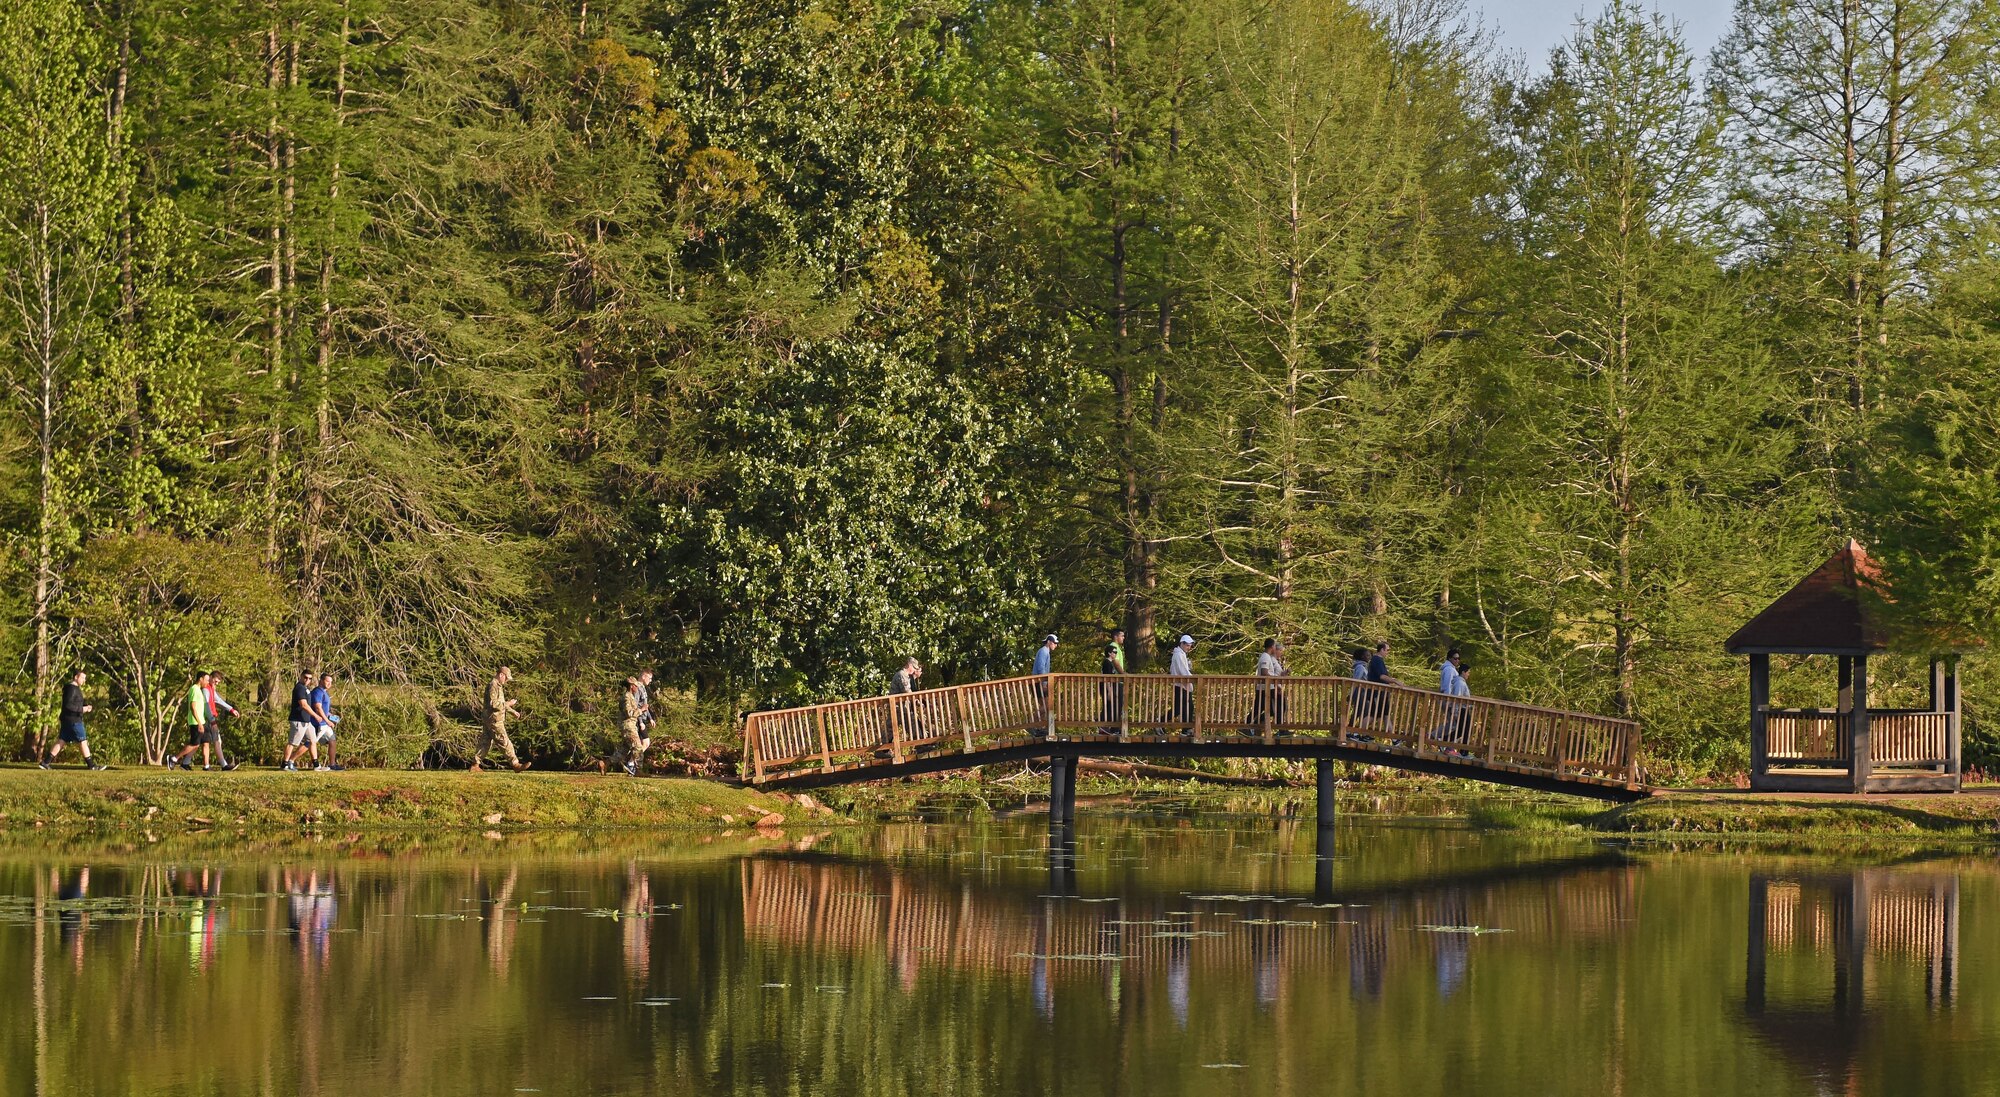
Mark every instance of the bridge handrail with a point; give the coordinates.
(1395, 719)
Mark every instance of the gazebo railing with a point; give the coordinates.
(1824, 737)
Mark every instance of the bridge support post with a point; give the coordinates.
(1062, 791)
(1324, 834)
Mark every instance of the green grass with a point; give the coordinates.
(264, 800)
(1955, 819)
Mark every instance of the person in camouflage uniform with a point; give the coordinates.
(493, 725)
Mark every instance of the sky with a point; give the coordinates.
(1531, 28)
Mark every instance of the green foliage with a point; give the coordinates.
(769, 343)
(155, 611)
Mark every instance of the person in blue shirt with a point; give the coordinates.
(1042, 670)
(322, 704)
(1448, 674)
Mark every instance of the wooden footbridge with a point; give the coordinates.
(1066, 716)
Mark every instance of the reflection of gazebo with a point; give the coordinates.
(1849, 748)
(1858, 924)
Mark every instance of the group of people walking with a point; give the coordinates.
(312, 723)
(635, 724)
(1267, 707)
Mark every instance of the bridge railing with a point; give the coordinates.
(1202, 708)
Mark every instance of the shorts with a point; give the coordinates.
(197, 734)
(214, 731)
(72, 732)
(326, 733)
(302, 733)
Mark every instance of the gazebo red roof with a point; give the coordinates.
(1833, 611)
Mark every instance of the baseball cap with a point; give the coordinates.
(1186, 639)
(1051, 639)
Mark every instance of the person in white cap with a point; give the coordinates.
(1180, 666)
(1042, 670)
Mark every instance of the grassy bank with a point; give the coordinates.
(264, 800)
(1954, 820)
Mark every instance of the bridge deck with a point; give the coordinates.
(1206, 715)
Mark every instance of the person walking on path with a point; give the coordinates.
(1111, 695)
(70, 727)
(1270, 697)
(322, 698)
(1181, 667)
(646, 704)
(493, 725)
(1044, 656)
(199, 717)
(305, 730)
(633, 743)
(216, 707)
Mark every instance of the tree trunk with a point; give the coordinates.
(45, 519)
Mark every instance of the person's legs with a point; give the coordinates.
(49, 756)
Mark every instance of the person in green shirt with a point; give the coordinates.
(1111, 695)
(199, 718)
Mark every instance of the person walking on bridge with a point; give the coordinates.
(906, 681)
(1044, 657)
(493, 723)
(1378, 673)
(1111, 695)
(1270, 696)
(1180, 666)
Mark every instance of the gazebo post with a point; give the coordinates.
(1951, 705)
(1858, 751)
(1760, 708)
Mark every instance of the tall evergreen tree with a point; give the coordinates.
(1652, 444)
(1321, 296)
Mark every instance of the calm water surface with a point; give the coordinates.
(1198, 955)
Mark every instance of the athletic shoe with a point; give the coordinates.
(322, 768)
(41, 765)
(204, 767)
(336, 769)
(94, 766)
(288, 768)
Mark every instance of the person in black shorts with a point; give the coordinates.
(72, 730)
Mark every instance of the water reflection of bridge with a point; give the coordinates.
(921, 923)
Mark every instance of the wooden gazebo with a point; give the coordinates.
(1838, 611)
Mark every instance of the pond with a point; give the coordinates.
(1161, 954)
